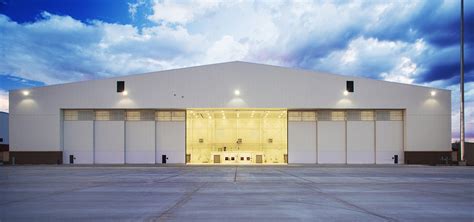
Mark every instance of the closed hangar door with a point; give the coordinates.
(389, 136)
(78, 136)
(360, 137)
(109, 136)
(331, 139)
(302, 137)
(170, 136)
(140, 136)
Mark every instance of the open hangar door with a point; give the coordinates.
(236, 136)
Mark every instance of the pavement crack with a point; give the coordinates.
(312, 185)
(168, 213)
(235, 174)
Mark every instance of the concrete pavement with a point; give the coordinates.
(236, 193)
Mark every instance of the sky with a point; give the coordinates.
(44, 42)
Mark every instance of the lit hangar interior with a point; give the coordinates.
(236, 136)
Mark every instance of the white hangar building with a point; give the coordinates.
(230, 113)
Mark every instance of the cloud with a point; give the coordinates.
(379, 59)
(133, 7)
(3, 101)
(227, 49)
(403, 41)
(181, 12)
(67, 50)
(468, 111)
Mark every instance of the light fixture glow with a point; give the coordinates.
(125, 93)
(433, 93)
(26, 92)
(237, 92)
(346, 92)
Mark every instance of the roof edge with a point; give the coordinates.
(233, 62)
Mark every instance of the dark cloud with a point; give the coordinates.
(445, 71)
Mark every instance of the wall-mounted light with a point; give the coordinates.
(237, 92)
(125, 93)
(26, 92)
(346, 92)
(433, 93)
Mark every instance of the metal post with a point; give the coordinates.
(461, 148)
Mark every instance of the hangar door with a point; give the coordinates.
(360, 136)
(331, 137)
(109, 137)
(78, 136)
(302, 137)
(345, 136)
(123, 136)
(389, 136)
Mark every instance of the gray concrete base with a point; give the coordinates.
(236, 193)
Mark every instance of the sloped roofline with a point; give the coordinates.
(232, 62)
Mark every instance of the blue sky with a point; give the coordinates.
(45, 42)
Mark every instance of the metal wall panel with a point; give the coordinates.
(302, 142)
(109, 142)
(140, 142)
(170, 141)
(389, 141)
(331, 142)
(78, 141)
(360, 142)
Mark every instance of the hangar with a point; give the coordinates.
(230, 113)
